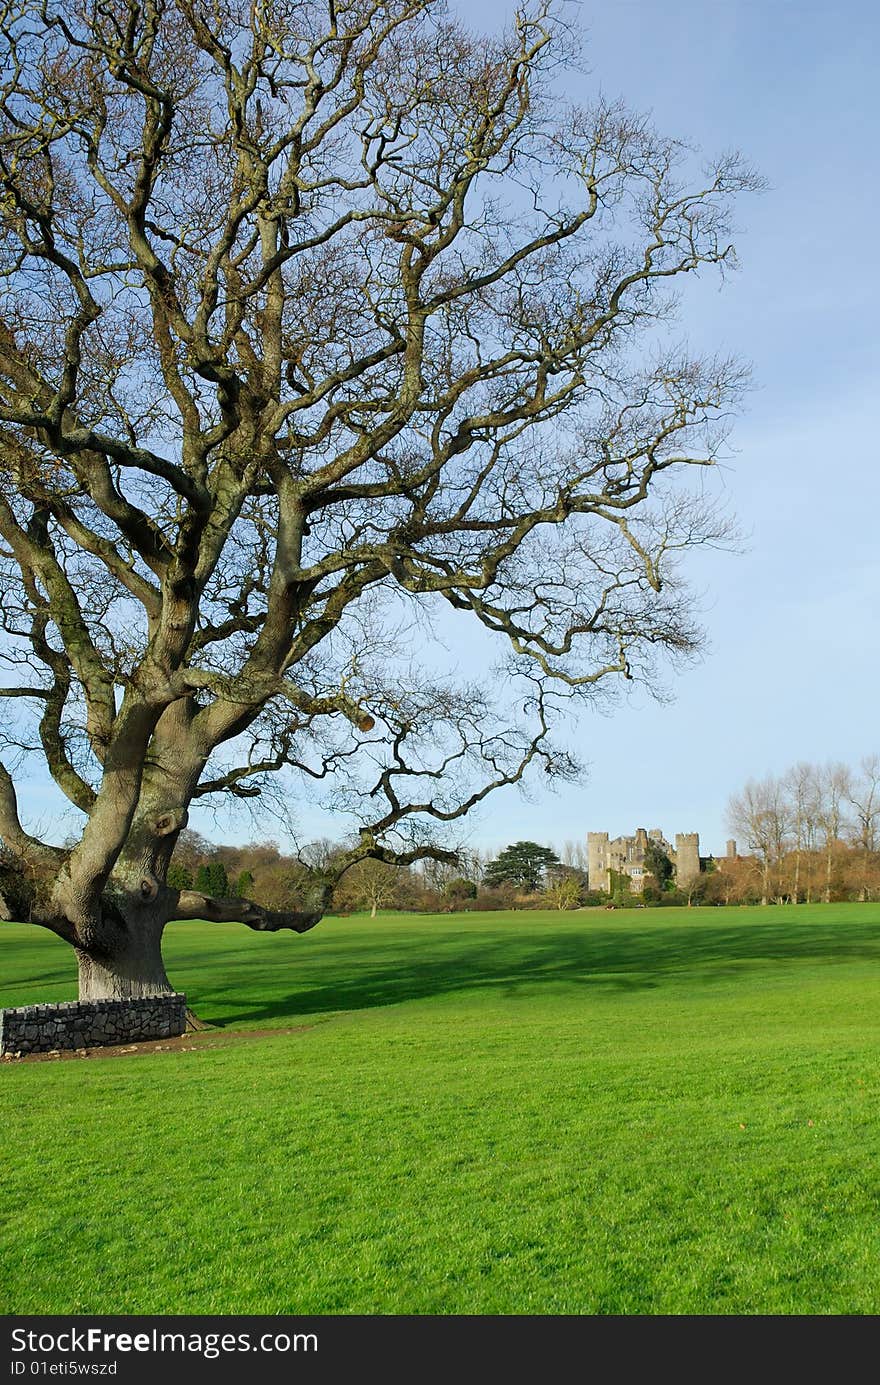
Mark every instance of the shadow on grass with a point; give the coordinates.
(352, 976)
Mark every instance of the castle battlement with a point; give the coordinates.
(626, 856)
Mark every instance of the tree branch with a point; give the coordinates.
(191, 904)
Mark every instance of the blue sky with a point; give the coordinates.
(793, 663)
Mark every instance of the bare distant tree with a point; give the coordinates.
(315, 313)
(761, 816)
(863, 796)
(835, 786)
(575, 854)
(471, 863)
(368, 883)
(802, 787)
(564, 890)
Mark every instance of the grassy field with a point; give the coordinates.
(648, 1112)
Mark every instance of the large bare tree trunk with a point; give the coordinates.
(125, 962)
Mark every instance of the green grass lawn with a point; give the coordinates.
(647, 1112)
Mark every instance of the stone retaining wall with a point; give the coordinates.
(91, 1023)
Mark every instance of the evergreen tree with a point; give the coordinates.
(203, 879)
(243, 885)
(522, 864)
(219, 879)
(179, 877)
(211, 879)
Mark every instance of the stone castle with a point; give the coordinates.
(626, 856)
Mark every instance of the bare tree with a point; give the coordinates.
(564, 890)
(574, 854)
(863, 796)
(316, 313)
(834, 788)
(760, 815)
(370, 883)
(801, 785)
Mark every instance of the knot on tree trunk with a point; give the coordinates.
(174, 820)
(149, 887)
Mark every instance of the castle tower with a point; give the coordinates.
(687, 857)
(731, 850)
(598, 874)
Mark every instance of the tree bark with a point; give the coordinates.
(125, 964)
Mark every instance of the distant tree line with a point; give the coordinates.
(812, 833)
(524, 875)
